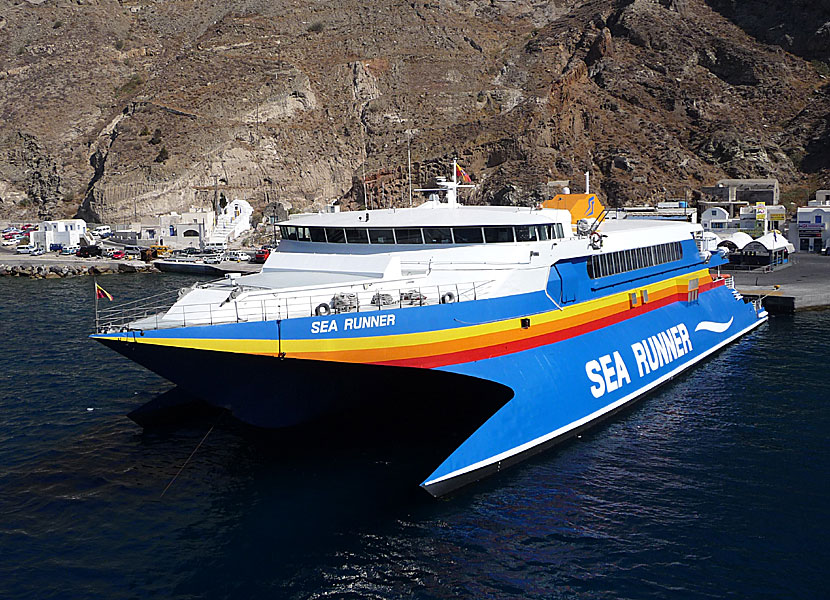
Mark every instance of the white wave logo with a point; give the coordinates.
(713, 326)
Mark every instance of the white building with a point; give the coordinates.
(717, 219)
(187, 230)
(755, 219)
(67, 232)
(232, 221)
(811, 233)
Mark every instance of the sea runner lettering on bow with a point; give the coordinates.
(609, 372)
(661, 349)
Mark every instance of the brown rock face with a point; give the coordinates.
(116, 111)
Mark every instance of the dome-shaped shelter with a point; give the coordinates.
(770, 250)
(736, 241)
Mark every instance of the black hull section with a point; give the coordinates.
(271, 392)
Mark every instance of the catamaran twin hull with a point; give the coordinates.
(561, 366)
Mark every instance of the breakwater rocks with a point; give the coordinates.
(42, 271)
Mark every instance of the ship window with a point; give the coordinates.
(437, 235)
(542, 232)
(468, 235)
(356, 236)
(381, 236)
(637, 258)
(318, 234)
(335, 235)
(560, 232)
(526, 233)
(303, 234)
(288, 233)
(409, 236)
(493, 235)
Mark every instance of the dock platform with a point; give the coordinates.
(805, 285)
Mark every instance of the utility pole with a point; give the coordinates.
(215, 197)
(274, 221)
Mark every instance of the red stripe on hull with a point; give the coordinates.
(454, 358)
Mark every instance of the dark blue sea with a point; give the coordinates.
(716, 486)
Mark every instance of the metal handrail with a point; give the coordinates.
(161, 311)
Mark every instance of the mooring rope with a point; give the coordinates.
(188, 460)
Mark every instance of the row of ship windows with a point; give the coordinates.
(423, 235)
(612, 263)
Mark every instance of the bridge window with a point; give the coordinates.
(468, 235)
(335, 235)
(357, 236)
(493, 235)
(437, 235)
(381, 236)
(318, 234)
(526, 233)
(409, 236)
(288, 233)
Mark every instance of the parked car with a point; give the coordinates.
(26, 248)
(261, 255)
(89, 251)
(238, 256)
(9, 242)
(55, 247)
(212, 259)
(118, 254)
(67, 250)
(36, 252)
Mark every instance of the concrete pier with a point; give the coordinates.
(804, 285)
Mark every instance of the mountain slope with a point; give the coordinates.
(117, 110)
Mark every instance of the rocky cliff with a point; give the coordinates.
(117, 110)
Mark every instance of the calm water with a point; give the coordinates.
(716, 486)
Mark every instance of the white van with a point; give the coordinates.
(26, 248)
(102, 230)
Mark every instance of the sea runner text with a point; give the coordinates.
(609, 373)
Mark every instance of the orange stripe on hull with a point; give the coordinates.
(479, 347)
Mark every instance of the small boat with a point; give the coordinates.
(541, 320)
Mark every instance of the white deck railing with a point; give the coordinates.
(242, 305)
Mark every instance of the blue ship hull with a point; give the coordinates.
(562, 388)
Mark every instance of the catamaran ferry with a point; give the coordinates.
(554, 317)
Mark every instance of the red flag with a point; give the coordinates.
(102, 293)
(459, 172)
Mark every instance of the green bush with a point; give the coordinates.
(133, 83)
(821, 67)
(162, 155)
